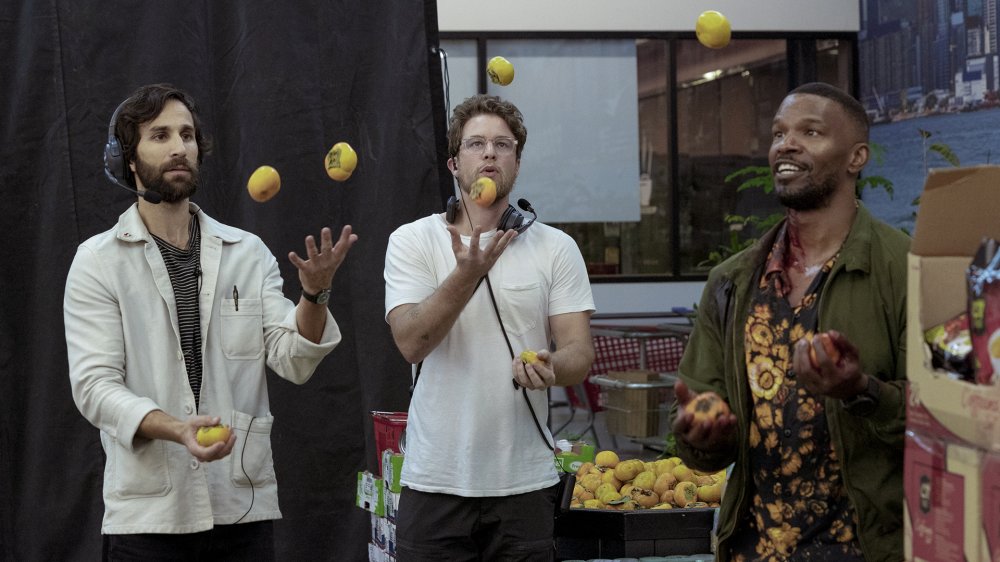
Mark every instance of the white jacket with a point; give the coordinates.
(125, 360)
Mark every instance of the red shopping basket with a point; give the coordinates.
(389, 428)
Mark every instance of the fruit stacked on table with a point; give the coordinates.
(629, 484)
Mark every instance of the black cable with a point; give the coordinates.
(510, 348)
(244, 469)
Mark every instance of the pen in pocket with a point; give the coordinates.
(236, 298)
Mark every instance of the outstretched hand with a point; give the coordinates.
(707, 435)
(317, 270)
(473, 260)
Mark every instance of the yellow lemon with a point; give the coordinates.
(211, 434)
(483, 191)
(529, 356)
(340, 161)
(713, 29)
(263, 184)
(500, 71)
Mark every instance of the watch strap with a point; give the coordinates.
(867, 402)
(319, 298)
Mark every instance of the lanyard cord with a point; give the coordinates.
(510, 348)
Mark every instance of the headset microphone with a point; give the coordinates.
(115, 167)
(150, 196)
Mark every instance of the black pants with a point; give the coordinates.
(251, 542)
(435, 527)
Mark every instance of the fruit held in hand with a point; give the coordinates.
(340, 161)
(264, 184)
(713, 29)
(828, 346)
(707, 406)
(483, 191)
(500, 71)
(529, 356)
(211, 434)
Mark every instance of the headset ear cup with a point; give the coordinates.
(511, 219)
(114, 161)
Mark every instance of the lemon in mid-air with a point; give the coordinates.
(500, 71)
(713, 29)
(340, 161)
(264, 184)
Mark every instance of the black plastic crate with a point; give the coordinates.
(594, 533)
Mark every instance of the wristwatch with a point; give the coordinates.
(321, 297)
(864, 404)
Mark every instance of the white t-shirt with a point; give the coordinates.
(469, 433)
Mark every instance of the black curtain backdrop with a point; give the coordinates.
(277, 83)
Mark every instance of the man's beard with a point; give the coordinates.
(154, 179)
(812, 197)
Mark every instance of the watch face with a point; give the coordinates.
(323, 297)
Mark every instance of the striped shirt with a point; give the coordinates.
(184, 268)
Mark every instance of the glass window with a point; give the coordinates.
(702, 115)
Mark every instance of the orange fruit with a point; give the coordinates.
(340, 161)
(828, 346)
(264, 184)
(706, 406)
(483, 191)
(211, 434)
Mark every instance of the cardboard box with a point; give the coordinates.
(633, 412)
(991, 506)
(944, 506)
(391, 503)
(958, 208)
(392, 467)
(370, 493)
(571, 460)
(952, 466)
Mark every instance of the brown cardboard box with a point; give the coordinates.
(953, 427)
(633, 412)
(958, 208)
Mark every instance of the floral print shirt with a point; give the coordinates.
(800, 510)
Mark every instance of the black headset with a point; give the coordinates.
(511, 219)
(115, 167)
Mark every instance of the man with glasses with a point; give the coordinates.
(464, 299)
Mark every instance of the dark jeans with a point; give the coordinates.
(435, 527)
(251, 542)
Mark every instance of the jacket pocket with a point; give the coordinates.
(520, 307)
(144, 472)
(242, 328)
(251, 459)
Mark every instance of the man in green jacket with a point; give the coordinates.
(815, 444)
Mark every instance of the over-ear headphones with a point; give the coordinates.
(116, 168)
(511, 219)
(114, 158)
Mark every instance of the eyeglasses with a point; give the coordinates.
(503, 146)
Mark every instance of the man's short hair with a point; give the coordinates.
(853, 107)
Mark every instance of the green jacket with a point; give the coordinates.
(865, 299)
